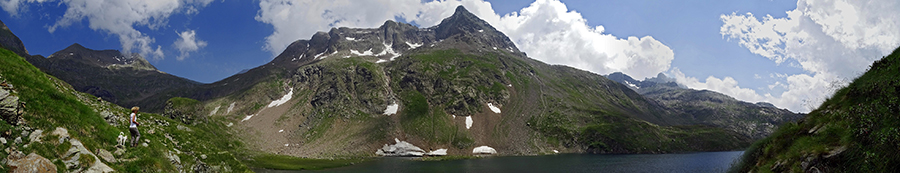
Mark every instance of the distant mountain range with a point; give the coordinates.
(755, 120)
(456, 85)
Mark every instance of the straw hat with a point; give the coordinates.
(135, 109)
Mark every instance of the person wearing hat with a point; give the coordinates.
(135, 135)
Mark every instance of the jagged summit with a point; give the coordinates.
(463, 30)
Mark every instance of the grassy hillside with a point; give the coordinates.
(51, 103)
(856, 130)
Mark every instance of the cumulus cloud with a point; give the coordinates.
(831, 40)
(188, 42)
(119, 17)
(546, 30)
(13, 6)
(803, 92)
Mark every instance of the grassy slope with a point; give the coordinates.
(52, 103)
(861, 118)
(581, 113)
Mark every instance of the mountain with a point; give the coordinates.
(11, 42)
(349, 91)
(856, 130)
(61, 129)
(125, 80)
(754, 120)
(457, 85)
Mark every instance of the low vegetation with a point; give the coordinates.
(856, 130)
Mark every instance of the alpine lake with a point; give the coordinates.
(684, 162)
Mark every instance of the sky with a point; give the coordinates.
(792, 53)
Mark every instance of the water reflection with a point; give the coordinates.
(690, 162)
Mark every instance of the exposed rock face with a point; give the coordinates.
(11, 42)
(355, 85)
(76, 151)
(9, 106)
(401, 148)
(33, 163)
(185, 110)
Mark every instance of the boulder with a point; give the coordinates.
(106, 155)
(32, 163)
(484, 150)
(76, 151)
(400, 149)
(36, 135)
(9, 105)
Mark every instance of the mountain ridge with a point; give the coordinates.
(456, 85)
(755, 120)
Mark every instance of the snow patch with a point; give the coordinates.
(284, 99)
(391, 109)
(388, 50)
(495, 48)
(508, 85)
(214, 111)
(413, 46)
(247, 118)
(350, 38)
(632, 85)
(318, 55)
(287, 145)
(469, 122)
(231, 107)
(366, 53)
(554, 151)
(438, 152)
(493, 108)
(381, 61)
(484, 150)
(480, 30)
(282, 130)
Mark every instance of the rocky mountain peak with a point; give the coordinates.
(393, 39)
(10, 41)
(102, 58)
(473, 30)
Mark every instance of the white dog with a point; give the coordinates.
(122, 139)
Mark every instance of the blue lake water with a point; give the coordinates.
(563, 163)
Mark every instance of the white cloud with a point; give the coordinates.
(546, 30)
(13, 6)
(188, 42)
(119, 17)
(832, 40)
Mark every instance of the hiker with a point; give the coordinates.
(135, 135)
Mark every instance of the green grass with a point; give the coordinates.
(51, 103)
(281, 162)
(435, 126)
(861, 117)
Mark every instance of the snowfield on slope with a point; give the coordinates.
(494, 108)
(284, 99)
(391, 109)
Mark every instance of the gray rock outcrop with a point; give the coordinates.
(33, 163)
(9, 105)
(76, 151)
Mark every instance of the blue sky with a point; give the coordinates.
(751, 49)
